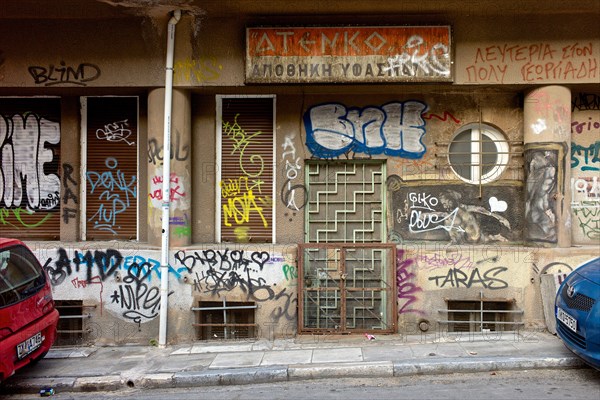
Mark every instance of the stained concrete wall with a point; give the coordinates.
(119, 284)
(585, 169)
(489, 49)
(121, 279)
(497, 60)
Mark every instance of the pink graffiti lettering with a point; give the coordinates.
(95, 280)
(445, 116)
(176, 192)
(406, 289)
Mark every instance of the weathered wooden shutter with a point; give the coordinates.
(29, 168)
(111, 168)
(246, 184)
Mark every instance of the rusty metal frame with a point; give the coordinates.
(82, 316)
(225, 308)
(389, 288)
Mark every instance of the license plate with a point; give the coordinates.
(30, 345)
(566, 319)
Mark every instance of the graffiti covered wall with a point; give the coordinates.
(30, 186)
(451, 212)
(247, 174)
(430, 275)
(394, 129)
(123, 286)
(530, 61)
(265, 278)
(585, 168)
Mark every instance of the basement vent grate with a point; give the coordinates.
(72, 329)
(483, 315)
(225, 320)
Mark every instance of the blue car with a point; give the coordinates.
(577, 311)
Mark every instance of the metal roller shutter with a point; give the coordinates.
(29, 168)
(247, 169)
(111, 168)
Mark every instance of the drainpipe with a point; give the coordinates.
(166, 187)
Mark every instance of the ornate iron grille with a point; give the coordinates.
(346, 201)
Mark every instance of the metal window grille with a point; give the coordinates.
(483, 315)
(347, 288)
(480, 154)
(73, 322)
(225, 320)
(346, 201)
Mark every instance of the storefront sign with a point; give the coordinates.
(348, 54)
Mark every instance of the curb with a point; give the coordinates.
(98, 383)
(238, 376)
(34, 385)
(460, 365)
(244, 376)
(320, 371)
(152, 381)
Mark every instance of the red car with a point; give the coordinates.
(28, 319)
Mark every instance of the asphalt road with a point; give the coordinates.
(531, 384)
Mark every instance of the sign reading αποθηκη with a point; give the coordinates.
(349, 54)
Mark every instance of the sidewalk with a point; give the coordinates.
(260, 361)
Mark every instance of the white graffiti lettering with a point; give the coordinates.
(23, 155)
(434, 62)
(395, 129)
(115, 132)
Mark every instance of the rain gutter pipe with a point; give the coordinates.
(166, 189)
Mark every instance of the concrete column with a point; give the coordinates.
(547, 136)
(70, 169)
(181, 157)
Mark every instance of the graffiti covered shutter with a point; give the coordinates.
(29, 168)
(111, 174)
(246, 184)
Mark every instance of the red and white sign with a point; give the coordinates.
(348, 54)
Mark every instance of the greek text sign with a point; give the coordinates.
(530, 62)
(348, 54)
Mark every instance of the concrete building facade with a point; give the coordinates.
(349, 167)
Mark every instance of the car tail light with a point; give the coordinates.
(49, 306)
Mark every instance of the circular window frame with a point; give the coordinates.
(502, 152)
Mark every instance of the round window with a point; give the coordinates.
(478, 153)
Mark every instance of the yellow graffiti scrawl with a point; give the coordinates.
(239, 208)
(241, 190)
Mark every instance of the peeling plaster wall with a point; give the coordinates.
(585, 168)
(430, 275)
(209, 50)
